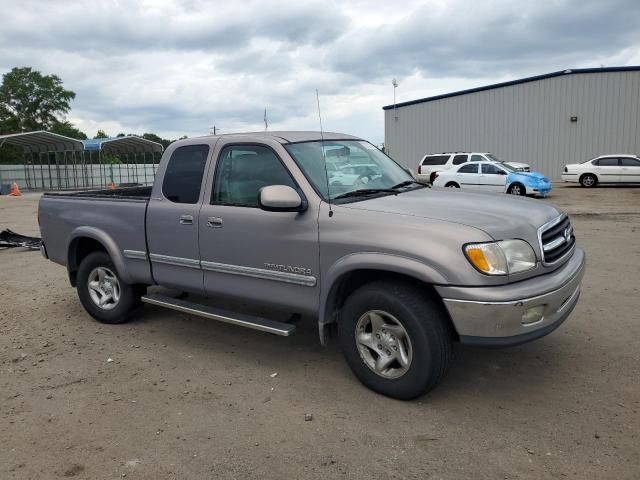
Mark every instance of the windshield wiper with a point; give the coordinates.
(406, 183)
(365, 191)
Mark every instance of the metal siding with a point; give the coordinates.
(528, 122)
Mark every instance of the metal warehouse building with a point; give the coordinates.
(546, 121)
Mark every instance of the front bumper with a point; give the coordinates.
(541, 189)
(493, 316)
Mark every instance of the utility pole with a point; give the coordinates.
(394, 82)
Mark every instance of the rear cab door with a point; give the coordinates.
(172, 216)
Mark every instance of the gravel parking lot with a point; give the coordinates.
(176, 396)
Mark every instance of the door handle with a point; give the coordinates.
(214, 222)
(186, 219)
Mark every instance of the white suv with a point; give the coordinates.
(433, 163)
(604, 169)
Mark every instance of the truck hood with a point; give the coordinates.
(500, 216)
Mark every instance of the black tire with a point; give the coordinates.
(129, 300)
(452, 185)
(588, 180)
(425, 323)
(517, 189)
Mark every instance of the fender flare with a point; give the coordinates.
(106, 241)
(388, 262)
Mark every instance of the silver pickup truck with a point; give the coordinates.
(401, 271)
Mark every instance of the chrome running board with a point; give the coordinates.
(242, 320)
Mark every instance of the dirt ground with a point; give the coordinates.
(189, 398)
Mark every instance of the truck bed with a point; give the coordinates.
(115, 218)
(122, 193)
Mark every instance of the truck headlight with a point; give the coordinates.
(501, 258)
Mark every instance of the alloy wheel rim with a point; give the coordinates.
(588, 181)
(515, 190)
(104, 288)
(383, 344)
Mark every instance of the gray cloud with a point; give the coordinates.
(174, 66)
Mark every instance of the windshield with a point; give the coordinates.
(493, 158)
(350, 164)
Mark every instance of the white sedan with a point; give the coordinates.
(604, 169)
(493, 177)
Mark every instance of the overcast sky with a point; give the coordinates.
(175, 67)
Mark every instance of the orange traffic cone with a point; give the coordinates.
(113, 186)
(15, 190)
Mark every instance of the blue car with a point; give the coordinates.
(493, 177)
(528, 183)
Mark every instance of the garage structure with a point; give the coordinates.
(547, 121)
(56, 162)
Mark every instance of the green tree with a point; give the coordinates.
(155, 138)
(31, 101)
(101, 134)
(67, 129)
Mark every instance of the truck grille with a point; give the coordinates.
(556, 240)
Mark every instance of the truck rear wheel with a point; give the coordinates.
(395, 339)
(102, 293)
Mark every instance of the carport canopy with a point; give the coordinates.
(129, 144)
(41, 141)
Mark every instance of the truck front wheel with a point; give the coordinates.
(395, 339)
(102, 293)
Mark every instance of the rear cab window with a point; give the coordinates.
(183, 177)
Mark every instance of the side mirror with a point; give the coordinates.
(281, 198)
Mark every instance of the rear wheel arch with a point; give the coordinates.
(87, 240)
